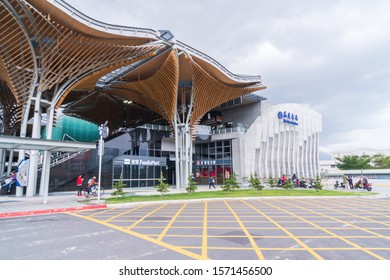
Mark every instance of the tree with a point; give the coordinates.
(118, 186)
(255, 182)
(162, 187)
(288, 184)
(231, 183)
(272, 182)
(351, 162)
(381, 161)
(318, 184)
(191, 185)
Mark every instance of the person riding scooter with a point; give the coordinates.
(363, 184)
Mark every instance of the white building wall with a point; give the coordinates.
(283, 148)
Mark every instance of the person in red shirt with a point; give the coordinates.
(79, 183)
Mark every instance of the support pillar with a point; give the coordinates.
(45, 173)
(34, 154)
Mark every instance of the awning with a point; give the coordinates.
(24, 143)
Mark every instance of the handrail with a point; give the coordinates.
(106, 27)
(237, 77)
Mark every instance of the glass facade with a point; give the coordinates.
(212, 159)
(144, 161)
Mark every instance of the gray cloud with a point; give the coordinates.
(332, 55)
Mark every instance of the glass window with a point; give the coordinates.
(151, 172)
(142, 172)
(117, 171)
(134, 172)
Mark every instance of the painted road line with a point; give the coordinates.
(307, 248)
(123, 213)
(144, 237)
(345, 222)
(252, 241)
(170, 223)
(144, 217)
(363, 211)
(327, 231)
(205, 229)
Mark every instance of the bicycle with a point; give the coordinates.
(93, 191)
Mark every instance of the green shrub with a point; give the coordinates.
(162, 187)
(255, 182)
(318, 184)
(118, 186)
(191, 185)
(272, 182)
(231, 183)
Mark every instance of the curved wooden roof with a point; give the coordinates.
(56, 46)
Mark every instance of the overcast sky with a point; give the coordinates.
(332, 55)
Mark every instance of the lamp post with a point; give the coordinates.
(103, 132)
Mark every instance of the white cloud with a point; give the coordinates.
(331, 54)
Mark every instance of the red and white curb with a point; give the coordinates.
(50, 211)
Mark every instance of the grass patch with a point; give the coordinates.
(237, 193)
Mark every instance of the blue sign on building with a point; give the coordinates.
(288, 117)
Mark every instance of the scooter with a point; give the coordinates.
(360, 185)
(341, 185)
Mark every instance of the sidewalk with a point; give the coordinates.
(12, 206)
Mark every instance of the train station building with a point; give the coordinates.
(170, 108)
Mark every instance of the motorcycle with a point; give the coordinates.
(364, 186)
(341, 185)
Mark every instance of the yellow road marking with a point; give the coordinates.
(336, 219)
(327, 231)
(123, 213)
(318, 257)
(144, 217)
(252, 241)
(205, 228)
(170, 223)
(144, 237)
(348, 214)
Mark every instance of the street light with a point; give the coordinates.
(103, 132)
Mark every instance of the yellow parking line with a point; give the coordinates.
(170, 223)
(252, 241)
(205, 229)
(123, 213)
(318, 257)
(144, 217)
(327, 231)
(353, 215)
(338, 220)
(144, 237)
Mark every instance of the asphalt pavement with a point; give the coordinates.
(13, 206)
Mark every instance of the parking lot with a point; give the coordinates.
(267, 228)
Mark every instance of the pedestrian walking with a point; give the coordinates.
(211, 182)
(79, 183)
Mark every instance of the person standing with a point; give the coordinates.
(211, 182)
(350, 181)
(79, 183)
(345, 181)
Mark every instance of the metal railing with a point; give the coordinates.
(229, 130)
(237, 77)
(111, 28)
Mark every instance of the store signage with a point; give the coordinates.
(206, 162)
(288, 117)
(141, 162)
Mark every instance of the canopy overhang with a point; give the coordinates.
(24, 143)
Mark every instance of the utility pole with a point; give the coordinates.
(103, 132)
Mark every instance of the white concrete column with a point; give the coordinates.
(34, 154)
